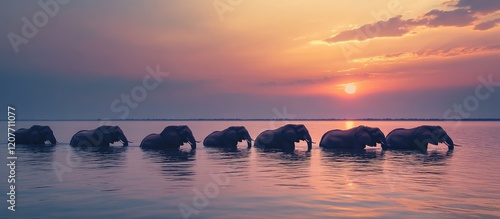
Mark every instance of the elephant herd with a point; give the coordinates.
(285, 137)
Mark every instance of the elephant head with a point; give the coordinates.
(111, 134)
(433, 135)
(238, 133)
(370, 136)
(295, 133)
(179, 135)
(42, 134)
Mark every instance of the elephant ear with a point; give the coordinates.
(290, 134)
(171, 135)
(378, 136)
(243, 133)
(363, 136)
(35, 135)
(45, 132)
(231, 134)
(425, 134)
(108, 134)
(440, 134)
(118, 134)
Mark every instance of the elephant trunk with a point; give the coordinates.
(383, 142)
(309, 142)
(52, 139)
(249, 140)
(384, 146)
(192, 142)
(123, 138)
(449, 142)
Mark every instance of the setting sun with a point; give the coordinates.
(350, 89)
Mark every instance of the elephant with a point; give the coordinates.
(36, 135)
(101, 136)
(417, 138)
(228, 138)
(172, 137)
(355, 138)
(284, 137)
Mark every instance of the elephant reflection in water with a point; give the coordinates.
(103, 157)
(431, 168)
(36, 156)
(284, 138)
(340, 155)
(417, 138)
(36, 135)
(279, 164)
(173, 164)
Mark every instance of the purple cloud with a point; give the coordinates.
(448, 52)
(487, 24)
(336, 78)
(458, 18)
(393, 27)
(466, 12)
(479, 6)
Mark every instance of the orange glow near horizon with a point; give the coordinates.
(349, 124)
(293, 50)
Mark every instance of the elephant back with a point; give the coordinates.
(264, 138)
(211, 139)
(322, 141)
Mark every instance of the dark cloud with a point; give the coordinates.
(449, 52)
(458, 18)
(487, 24)
(288, 83)
(456, 51)
(390, 28)
(466, 12)
(339, 78)
(479, 6)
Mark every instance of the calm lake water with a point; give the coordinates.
(129, 182)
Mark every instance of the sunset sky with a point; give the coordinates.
(249, 59)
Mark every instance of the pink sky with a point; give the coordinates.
(263, 54)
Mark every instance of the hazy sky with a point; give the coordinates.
(242, 59)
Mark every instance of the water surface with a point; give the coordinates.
(129, 182)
